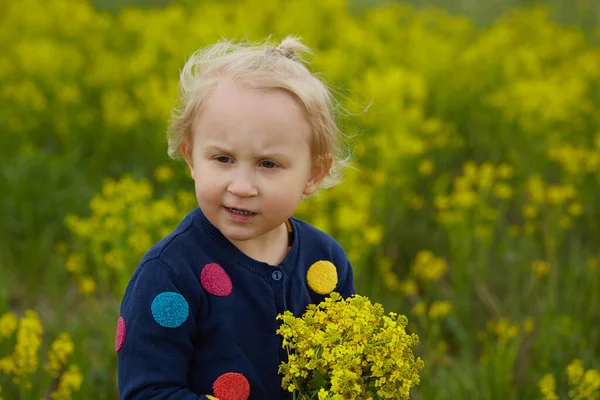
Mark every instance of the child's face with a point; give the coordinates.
(250, 159)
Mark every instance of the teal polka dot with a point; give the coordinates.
(170, 309)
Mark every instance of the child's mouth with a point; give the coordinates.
(240, 212)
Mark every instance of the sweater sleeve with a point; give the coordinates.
(155, 334)
(346, 284)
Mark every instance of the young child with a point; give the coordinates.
(198, 319)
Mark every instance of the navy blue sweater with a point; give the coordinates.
(199, 316)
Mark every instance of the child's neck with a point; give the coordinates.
(271, 247)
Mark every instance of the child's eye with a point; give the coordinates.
(268, 164)
(223, 159)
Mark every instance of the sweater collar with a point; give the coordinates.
(240, 258)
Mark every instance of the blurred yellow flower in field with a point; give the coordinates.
(60, 351)
(504, 171)
(503, 329)
(470, 170)
(126, 220)
(585, 385)
(575, 371)
(575, 209)
(29, 340)
(503, 191)
(74, 263)
(440, 309)
(390, 278)
(541, 267)
(163, 173)
(441, 202)
(70, 381)
(530, 211)
(536, 189)
(547, 385)
(87, 285)
(486, 176)
(465, 199)
(429, 267)
(592, 264)
(426, 167)
(528, 324)
(408, 287)
(419, 309)
(8, 325)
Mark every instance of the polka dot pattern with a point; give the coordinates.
(215, 280)
(209, 397)
(322, 277)
(120, 339)
(170, 309)
(231, 386)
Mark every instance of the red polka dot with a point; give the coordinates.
(120, 339)
(215, 280)
(231, 386)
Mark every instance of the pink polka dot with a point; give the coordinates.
(231, 386)
(215, 280)
(120, 339)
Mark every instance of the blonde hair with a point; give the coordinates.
(263, 67)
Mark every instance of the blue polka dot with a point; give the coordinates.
(170, 309)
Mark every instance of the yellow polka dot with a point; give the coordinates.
(322, 277)
(208, 396)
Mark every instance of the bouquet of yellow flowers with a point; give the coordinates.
(348, 349)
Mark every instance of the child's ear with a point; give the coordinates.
(321, 167)
(186, 151)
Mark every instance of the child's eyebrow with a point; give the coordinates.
(216, 148)
(275, 155)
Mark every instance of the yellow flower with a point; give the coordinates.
(428, 267)
(163, 173)
(69, 382)
(348, 349)
(87, 285)
(419, 309)
(29, 340)
(441, 202)
(528, 324)
(426, 167)
(592, 264)
(8, 325)
(575, 209)
(60, 351)
(547, 386)
(504, 171)
(503, 190)
(541, 268)
(584, 384)
(409, 287)
(440, 309)
(575, 372)
(530, 211)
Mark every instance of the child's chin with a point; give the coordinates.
(235, 235)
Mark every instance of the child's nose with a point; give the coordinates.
(243, 184)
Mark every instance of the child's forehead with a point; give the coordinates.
(227, 96)
(240, 108)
